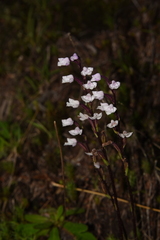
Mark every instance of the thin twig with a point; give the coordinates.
(106, 195)
(62, 164)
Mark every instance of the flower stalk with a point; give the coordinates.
(98, 105)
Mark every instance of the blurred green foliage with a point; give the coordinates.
(50, 226)
(10, 135)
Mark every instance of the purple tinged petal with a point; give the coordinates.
(76, 131)
(98, 94)
(74, 57)
(68, 79)
(90, 85)
(86, 71)
(112, 124)
(63, 61)
(87, 98)
(96, 77)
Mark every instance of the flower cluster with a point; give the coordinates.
(94, 105)
(94, 102)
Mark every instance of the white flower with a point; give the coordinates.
(125, 134)
(82, 116)
(112, 124)
(96, 164)
(96, 116)
(76, 131)
(89, 153)
(114, 85)
(72, 103)
(74, 57)
(87, 98)
(103, 106)
(71, 141)
(63, 61)
(98, 95)
(90, 85)
(68, 79)
(87, 71)
(67, 122)
(108, 108)
(96, 77)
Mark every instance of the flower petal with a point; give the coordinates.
(112, 124)
(68, 79)
(71, 141)
(76, 131)
(98, 94)
(87, 71)
(103, 106)
(96, 116)
(63, 61)
(87, 98)
(74, 57)
(108, 108)
(97, 164)
(125, 134)
(67, 122)
(72, 103)
(90, 85)
(82, 116)
(96, 77)
(114, 85)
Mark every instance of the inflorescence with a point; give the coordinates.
(106, 104)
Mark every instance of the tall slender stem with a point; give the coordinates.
(115, 202)
(62, 166)
(126, 177)
(132, 206)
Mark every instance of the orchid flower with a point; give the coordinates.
(112, 124)
(86, 71)
(63, 61)
(96, 116)
(114, 85)
(72, 103)
(108, 108)
(82, 116)
(125, 134)
(71, 141)
(68, 79)
(90, 85)
(74, 57)
(96, 77)
(76, 131)
(103, 106)
(98, 95)
(96, 164)
(67, 122)
(87, 98)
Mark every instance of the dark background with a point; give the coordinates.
(120, 39)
